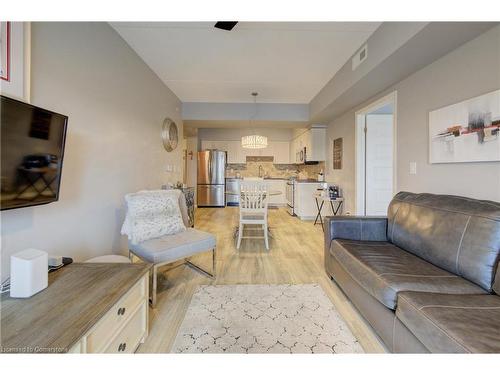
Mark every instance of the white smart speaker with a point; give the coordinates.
(28, 273)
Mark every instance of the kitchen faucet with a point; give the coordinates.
(260, 170)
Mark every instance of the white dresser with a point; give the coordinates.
(122, 328)
(87, 308)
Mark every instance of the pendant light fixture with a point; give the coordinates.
(254, 141)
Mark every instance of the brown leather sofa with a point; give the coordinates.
(426, 276)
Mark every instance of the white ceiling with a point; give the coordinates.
(285, 62)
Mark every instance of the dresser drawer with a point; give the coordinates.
(130, 336)
(111, 323)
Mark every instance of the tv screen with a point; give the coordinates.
(32, 141)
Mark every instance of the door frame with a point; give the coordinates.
(360, 118)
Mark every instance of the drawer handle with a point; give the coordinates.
(122, 346)
(121, 311)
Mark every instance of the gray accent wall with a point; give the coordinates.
(468, 71)
(116, 106)
(244, 111)
(395, 51)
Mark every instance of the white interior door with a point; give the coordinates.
(378, 163)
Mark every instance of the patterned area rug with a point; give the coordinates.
(263, 319)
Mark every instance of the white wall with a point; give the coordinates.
(468, 71)
(116, 106)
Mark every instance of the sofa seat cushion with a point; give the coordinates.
(384, 270)
(447, 323)
(174, 247)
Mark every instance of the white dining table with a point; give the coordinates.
(270, 192)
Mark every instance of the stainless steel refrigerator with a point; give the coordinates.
(211, 178)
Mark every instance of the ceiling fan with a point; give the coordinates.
(225, 25)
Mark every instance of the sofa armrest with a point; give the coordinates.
(358, 228)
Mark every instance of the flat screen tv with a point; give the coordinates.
(32, 141)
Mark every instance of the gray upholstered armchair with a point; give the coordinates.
(168, 249)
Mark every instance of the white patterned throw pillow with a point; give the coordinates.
(152, 214)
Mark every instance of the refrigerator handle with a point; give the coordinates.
(209, 167)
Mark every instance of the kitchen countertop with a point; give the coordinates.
(265, 178)
(308, 181)
(297, 180)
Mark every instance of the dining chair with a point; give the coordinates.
(253, 208)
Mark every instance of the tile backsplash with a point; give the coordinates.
(251, 169)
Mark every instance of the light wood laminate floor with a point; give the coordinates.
(295, 257)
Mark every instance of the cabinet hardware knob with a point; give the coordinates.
(121, 311)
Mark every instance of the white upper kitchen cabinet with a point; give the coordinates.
(314, 140)
(292, 152)
(249, 152)
(206, 145)
(316, 143)
(268, 151)
(214, 145)
(235, 154)
(281, 152)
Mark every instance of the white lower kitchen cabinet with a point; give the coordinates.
(277, 185)
(304, 203)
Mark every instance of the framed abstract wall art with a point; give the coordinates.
(5, 49)
(468, 131)
(15, 51)
(337, 153)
